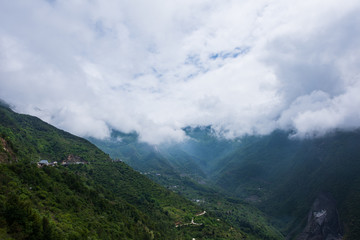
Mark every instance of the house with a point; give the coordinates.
(43, 163)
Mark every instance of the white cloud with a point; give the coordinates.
(244, 67)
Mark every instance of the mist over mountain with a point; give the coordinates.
(242, 67)
(247, 109)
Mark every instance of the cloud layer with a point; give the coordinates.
(244, 67)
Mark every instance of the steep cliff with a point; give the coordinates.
(323, 221)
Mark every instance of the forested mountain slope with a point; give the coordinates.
(93, 199)
(284, 176)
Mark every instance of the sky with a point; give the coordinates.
(154, 67)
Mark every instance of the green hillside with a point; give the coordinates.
(96, 199)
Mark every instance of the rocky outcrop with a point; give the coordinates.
(7, 154)
(323, 221)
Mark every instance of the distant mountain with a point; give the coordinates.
(197, 156)
(84, 194)
(147, 158)
(206, 147)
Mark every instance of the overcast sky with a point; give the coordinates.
(244, 67)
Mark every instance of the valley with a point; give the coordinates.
(261, 184)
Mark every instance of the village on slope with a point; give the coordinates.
(71, 159)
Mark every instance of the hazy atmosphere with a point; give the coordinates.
(155, 67)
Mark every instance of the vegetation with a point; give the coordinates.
(102, 199)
